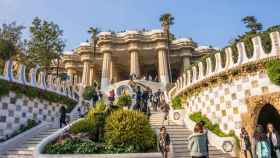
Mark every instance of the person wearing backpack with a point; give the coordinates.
(261, 147)
(274, 141)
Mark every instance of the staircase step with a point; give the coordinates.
(179, 135)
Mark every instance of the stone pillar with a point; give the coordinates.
(71, 73)
(134, 63)
(86, 57)
(186, 63)
(92, 75)
(163, 67)
(86, 71)
(105, 78)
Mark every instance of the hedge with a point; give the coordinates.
(197, 117)
(176, 103)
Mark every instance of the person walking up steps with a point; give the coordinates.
(164, 108)
(197, 143)
(164, 142)
(62, 119)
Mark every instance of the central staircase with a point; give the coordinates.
(178, 135)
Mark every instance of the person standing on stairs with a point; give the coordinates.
(205, 130)
(164, 108)
(62, 119)
(164, 142)
(245, 143)
(197, 143)
(274, 141)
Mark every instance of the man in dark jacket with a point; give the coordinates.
(62, 119)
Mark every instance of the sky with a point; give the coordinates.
(207, 22)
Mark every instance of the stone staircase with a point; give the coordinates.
(178, 135)
(25, 149)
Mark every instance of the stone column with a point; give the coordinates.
(163, 67)
(92, 75)
(134, 63)
(71, 73)
(86, 57)
(86, 71)
(186, 63)
(105, 78)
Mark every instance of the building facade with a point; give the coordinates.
(117, 56)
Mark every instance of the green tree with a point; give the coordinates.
(166, 21)
(94, 31)
(46, 43)
(10, 40)
(252, 23)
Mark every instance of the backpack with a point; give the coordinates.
(263, 150)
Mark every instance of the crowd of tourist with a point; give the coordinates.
(263, 145)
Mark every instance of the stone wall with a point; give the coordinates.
(225, 103)
(15, 110)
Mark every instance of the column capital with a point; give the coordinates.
(161, 45)
(106, 48)
(133, 46)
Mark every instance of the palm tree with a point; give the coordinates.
(94, 31)
(252, 23)
(166, 20)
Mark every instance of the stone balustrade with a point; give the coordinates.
(197, 73)
(39, 79)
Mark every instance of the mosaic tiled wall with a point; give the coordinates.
(16, 110)
(225, 103)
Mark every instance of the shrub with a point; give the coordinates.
(273, 71)
(124, 100)
(177, 103)
(82, 126)
(71, 147)
(88, 92)
(131, 128)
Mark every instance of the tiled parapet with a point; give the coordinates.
(38, 79)
(16, 110)
(197, 75)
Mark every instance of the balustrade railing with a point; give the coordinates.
(197, 73)
(39, 79)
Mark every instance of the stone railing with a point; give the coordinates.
(38, 79)
(197, 74)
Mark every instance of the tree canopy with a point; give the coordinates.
(10, 40)
(252, 23)
(46, 42)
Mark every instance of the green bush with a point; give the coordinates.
(72, 147)
(177, 102)
(124, 100)
(126, 127)
(273, 71)
(82, 126)
(88, 92)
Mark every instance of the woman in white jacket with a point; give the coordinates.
(197, 143)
